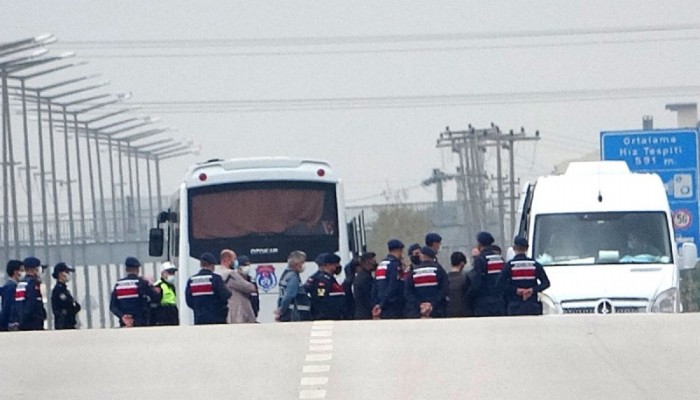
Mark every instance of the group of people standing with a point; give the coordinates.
(419, 287)
(23, 303)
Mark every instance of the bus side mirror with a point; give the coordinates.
(163, 216)
(155, 242)
(689, 256)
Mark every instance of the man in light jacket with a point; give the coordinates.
(239, 307)
(294, 304)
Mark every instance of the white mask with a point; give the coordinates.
(68, 277)
(245, 269)
(235, 264)
(22, 274)
(171, 279)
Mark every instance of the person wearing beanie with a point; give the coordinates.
(389, 280)
(426, 288)
(486, 296)
(15, 273)
(132, 297)
(521, 279)
(65, 308)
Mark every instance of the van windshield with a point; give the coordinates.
(602, 238)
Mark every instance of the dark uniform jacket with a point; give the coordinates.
(255, 296)
(457, 303)
(28, 309)
(389, 288)
(64, 307)
(487, 297)
(362, 291)
(207, 296)
(8, 300)
(427, 283)
(133, 296)
(526, 273)
(327, 297)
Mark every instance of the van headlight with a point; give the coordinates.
(548, 304)
(667, 301)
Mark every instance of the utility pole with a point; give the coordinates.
(471, 145)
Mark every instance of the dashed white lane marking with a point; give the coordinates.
(314, 380)
(312, 394)
(311, 369)
(320, 349)
(319, 357)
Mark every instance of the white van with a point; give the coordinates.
(605, 237)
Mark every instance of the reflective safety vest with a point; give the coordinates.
(169, 296)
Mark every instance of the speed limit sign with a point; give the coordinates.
(682, 218)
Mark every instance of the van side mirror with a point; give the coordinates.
(689, 256)
(155, 242)
(163, 216)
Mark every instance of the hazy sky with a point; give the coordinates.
(373, 149)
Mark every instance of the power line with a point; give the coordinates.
(387, 51)
(379, 102)
(364, 39)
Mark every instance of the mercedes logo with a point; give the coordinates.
(604, 307)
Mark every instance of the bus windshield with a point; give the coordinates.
(602, 238)
(265, 220)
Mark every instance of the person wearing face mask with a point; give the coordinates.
(327, 295)
(244, 270)
(165, 312)
(28, 313)
(362, 285)
(65, 308)
(414, 255)
(15, 273)
(293, 303)
(239, 308)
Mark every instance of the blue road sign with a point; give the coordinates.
(673, 155)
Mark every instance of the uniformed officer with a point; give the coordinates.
(15, 273)
(28, 313)
(327, 295)
(522, 279)
(165, 312)
(426, 288)
(65, 308)
(389, 280)
(132, 297)
(487, 297)
(244, 270)
(206, 293)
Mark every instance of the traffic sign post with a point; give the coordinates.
(673, 155)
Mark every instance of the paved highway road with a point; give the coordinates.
(572, 357)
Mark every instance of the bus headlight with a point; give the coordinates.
(667, 301)
(548, 304)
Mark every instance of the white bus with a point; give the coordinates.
(263, 208)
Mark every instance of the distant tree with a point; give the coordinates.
(397, 221)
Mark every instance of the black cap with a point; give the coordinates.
(132, 262)
(61, 267)
(208, 258)
(485, 239)
(243, 260)
(394, 244)
(413, 247)
(31, 262)
(520, 241)
(428, 252)
(431, 238)
(330, 258)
